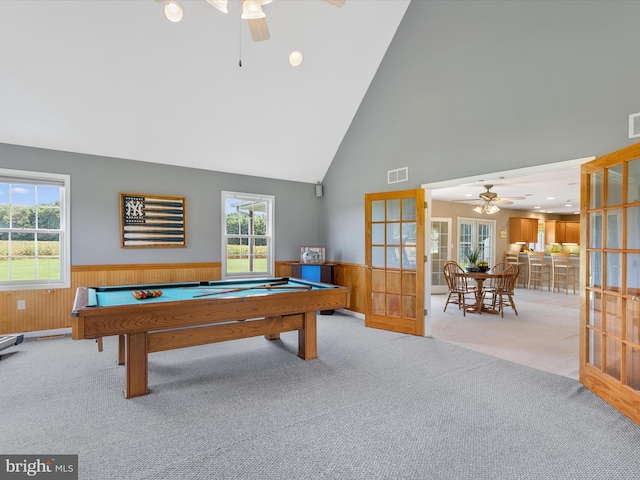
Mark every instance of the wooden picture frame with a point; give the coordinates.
(313, 255)
(152, 221)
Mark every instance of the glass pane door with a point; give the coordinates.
(476, 234)
(610, 325)
(395, 261)
(440, 252)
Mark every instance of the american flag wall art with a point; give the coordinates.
(152, 221)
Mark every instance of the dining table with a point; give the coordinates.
(480, 278)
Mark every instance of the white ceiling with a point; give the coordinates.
(546, 189)
(115, 78)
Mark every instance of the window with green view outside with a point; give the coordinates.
(34, 250)
(247, 235)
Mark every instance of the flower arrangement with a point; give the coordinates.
(475, 263)
(473, 256)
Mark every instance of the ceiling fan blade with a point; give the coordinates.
(502, 201)
(512, 198)
(259, 29)
(336, 3)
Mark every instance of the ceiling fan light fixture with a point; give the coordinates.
(252, 10)
(295, 58)
(219, 4)
(173, 11)
(486, 209)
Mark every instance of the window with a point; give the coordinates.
(34, 230)
(476, 234)
(247, 231)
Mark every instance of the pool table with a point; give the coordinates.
(196, 313)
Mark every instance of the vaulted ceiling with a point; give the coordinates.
(115, 78)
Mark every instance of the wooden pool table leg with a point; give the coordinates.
(307, 338)
(121, 349)
(136, 382)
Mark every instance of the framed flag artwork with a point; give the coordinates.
(152, 221)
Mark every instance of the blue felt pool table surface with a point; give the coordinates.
(171, 292)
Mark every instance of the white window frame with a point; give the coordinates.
(64, 182)
(269, 200)
(475, 222)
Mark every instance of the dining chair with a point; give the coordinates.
(562, 273)
(494, 282)
(505, 290)
(539, 272)
(513, 257)
(458, 286)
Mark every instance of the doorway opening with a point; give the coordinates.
(522, 184)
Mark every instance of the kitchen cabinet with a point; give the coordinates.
(523, 230)
(554, 231)
(572, 232)
(558, 231)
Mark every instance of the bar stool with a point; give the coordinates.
(563, 273)
(512, 257)
(539, 272)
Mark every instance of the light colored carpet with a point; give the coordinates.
(375, 405)
(544, 335)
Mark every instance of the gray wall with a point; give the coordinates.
(472, 87)
(97, 181)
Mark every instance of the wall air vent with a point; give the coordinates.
(634, 125)
(398, 175)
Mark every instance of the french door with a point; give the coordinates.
(610, 276)
(394, 261)
(476, 234)
(440, 251)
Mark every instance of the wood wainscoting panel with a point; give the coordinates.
(352, 276)
(283, 269)
(50, 309)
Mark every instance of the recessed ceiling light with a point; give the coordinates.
(173, 11)
(551, 198)
(536, 207)
(468, 195)
(295, 58)
(568, 205)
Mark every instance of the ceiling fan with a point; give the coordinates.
(490, 196)
(251, 12)
(485, 203)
